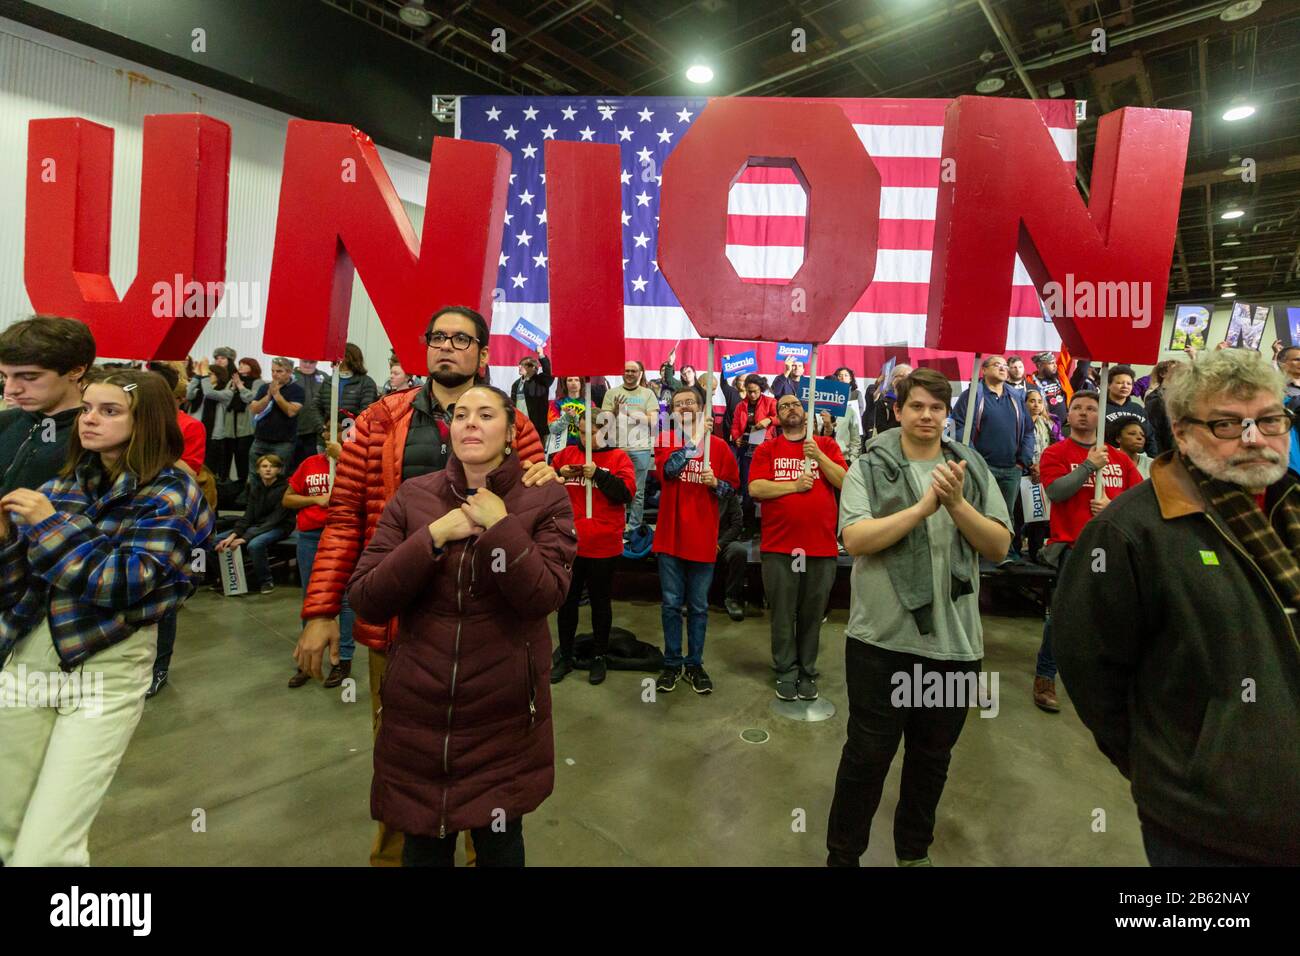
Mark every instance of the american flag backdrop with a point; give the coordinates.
(765, 225)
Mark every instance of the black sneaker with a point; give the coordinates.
(807, 688)
(267, 587)
(734, 610)
(699, 680)
(785, 690)
(597, 673)
(560, 667)
(159, 678)
(668, 678)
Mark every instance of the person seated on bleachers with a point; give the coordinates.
(265, 521)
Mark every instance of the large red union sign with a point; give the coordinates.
(1102, 267)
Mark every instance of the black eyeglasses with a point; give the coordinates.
(460, 341)
(1271, 425)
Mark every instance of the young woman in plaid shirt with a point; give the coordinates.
(88, 565)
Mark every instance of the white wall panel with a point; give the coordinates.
(44, 76)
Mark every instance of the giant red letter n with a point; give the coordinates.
(1012, 193)
(338, 206)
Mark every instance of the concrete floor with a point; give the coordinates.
(283, 777)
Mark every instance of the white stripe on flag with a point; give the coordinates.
(926, 142)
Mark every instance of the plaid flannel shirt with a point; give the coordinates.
(105, 564)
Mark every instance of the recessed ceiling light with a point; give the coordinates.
(699, 73)
(990, 84)
(1232, 214)
(1240, 10)
(1238, 112)
(414, 14)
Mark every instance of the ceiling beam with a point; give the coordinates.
(521, 28)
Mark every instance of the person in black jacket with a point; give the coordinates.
(530, 392)
(265, 521)
(1174, 625)
(42, 360)
(357, 390)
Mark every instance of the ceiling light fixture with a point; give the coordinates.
(1231, 242)
(699, 73)
(1239, 109)
(990, 84)
(1240, 10)
(1226, 268)
(1232, 214)
(413, 14)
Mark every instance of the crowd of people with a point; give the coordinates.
(437, 509)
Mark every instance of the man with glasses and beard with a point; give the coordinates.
(399, 437)
(1175, 625)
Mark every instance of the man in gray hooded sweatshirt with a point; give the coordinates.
(917, 511)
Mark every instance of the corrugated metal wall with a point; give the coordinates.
(44, 76)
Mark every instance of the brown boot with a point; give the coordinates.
(299, 678)
(1045, 695)
(339, 673)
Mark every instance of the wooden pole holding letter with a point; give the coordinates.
(1098, 480)
(975, 379)
(586, 418)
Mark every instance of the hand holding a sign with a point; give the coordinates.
(708, 478)
(804, 482)
(1098, 458)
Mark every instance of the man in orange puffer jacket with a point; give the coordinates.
(401, 436)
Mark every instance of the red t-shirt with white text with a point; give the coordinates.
(801, 519)
(601, 535)
(195, 438)
(311, 479)
(687, 527)
(1069, 516)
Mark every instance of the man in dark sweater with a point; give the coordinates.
(42, 360)
(1174, 625)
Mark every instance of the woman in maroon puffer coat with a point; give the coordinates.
(470, 562)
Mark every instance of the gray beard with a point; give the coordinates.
(1245, 476)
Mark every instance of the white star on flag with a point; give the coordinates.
(639, 284)
(530, 113)
(655, 263)
(493, 113)
(510, 132)
(684, 115)
(644, 154)
(509, 216)
(548, 132)
(512, 179)
(541, 217)
(624, 177)
(665, 136)
(643, 198)
(526, 198)
(645, 114)
(606, 112)
(626, 217)
(501, 260)
(518, 279)
(569, 112)
(522, 239)
(624, 134)
(586, 133)
(641, 239)
(529, 151)
(539, 260)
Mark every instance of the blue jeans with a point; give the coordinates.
(642, 462)
(308, 542)
(684, 583)
(1008, 482)
(166, 641)
(259, 568)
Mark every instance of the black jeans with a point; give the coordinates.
(490, 847)
(1166, 848)
(731, 566)
(598, 575)
(875, 728)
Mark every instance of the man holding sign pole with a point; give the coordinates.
(686, 535)
(636, 410)
(796, 478)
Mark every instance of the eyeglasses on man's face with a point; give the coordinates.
(1227, 428)
(460, 341)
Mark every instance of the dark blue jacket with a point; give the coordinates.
(1003, 432)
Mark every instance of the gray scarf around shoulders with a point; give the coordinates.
(883, 467)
